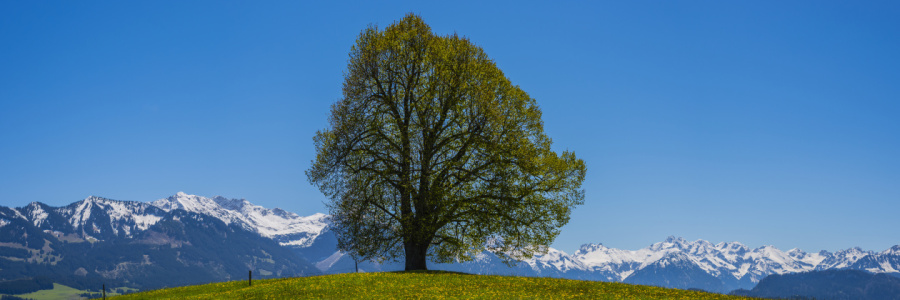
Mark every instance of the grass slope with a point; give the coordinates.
(60, 291)
(427, 284)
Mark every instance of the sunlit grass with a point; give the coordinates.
(60, 291)
(421, 285)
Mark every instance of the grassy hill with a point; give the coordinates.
(428, 284)
(62, 292)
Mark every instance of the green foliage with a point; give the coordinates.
(427, 285)
(433, 152)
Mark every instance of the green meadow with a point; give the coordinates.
(420, 285)
(60, 291)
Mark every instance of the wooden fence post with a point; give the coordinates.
(104, 291)
(250, 278)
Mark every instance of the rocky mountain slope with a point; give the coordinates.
(126, 243)
(286, 228)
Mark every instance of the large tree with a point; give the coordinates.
(433, 154)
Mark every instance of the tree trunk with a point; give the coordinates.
(416, 256)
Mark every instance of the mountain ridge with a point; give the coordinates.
(674, 262)
(98, 241)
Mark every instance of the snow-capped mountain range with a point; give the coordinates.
(674, 262)
(732, 263)
(286, 228)
(128, 217)
(176, 241)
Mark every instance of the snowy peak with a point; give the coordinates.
(854, 253)
(812, 259)
(732, 248)
(676, 259)
(123, 217)
(895, 250)
(200, 205)
(698, 247)
(842, 259)
(679, 241)
(599, 256)
(231, 204)
(82, 211)
(191, 203)
(671, 243)
(727, 261)
(94, 217)
(284, 227)
(36, 212)
(586, 248)
(556, 258)
(101, 218)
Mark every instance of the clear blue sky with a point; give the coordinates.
(769, 123)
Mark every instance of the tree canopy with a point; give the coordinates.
(433, 154)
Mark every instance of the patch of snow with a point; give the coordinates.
(482, 257)
(741, 271)
(82, 213)
(625, 274)
(142, 222)
(289, 228)
(731, 258)
(326, 263)
(124, 216)
(599, 255)
(886, 267)
(814, 259)
(19, 214)
(556, 258)
(895, 250)
(197, 204)
(732, 251)
(843, 258)
(300, 242)
(38, 215)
